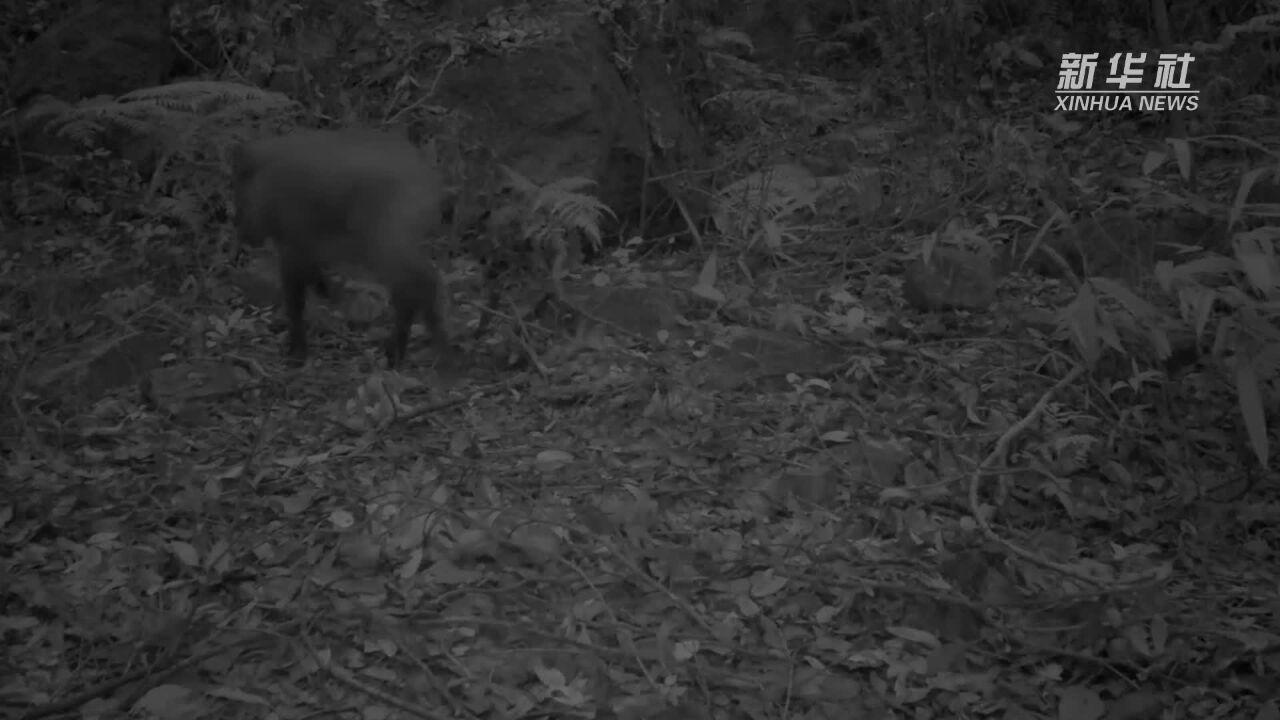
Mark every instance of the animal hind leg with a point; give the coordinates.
(296, 276)
(404, 307)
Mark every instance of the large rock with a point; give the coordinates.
(100, 48)
(557, 104)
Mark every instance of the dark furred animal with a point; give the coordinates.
(358, 198)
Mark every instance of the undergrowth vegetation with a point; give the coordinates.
(733, 470)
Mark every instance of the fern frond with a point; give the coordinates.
(204, 96)
(520, 184)
(83, 124)
(170, 111)
(546, 215)
(567, 208)
(567, 185)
